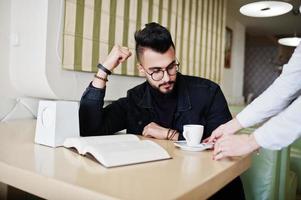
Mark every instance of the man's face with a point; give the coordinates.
(152, 62)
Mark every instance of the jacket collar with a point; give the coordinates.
(182, 92)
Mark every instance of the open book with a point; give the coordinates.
(118, 150)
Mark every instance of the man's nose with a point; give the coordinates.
(166, 77)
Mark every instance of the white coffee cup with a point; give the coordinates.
(193, 134)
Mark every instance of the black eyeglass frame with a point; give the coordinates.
(175, 62)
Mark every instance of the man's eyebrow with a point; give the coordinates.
(156, 68)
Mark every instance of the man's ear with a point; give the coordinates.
(141, 70)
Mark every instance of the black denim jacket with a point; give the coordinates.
(200, 101)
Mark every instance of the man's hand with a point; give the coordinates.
(155, 131)
(117, 56)
(228, 128)
(234, 145)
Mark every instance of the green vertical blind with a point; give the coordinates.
(92, 27)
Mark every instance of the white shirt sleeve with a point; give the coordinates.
(278, 96)
(281, 130)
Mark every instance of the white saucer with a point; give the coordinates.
(200, 147)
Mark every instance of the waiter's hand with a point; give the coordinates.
(228, 128)
(234, 145)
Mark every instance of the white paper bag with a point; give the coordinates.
(56, 121)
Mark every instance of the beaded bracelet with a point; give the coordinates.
(172, 134)
(101, 78)
(167, 135)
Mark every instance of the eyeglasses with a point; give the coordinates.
(158, 73)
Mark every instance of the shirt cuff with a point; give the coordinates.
(263, 140)
(242, 119)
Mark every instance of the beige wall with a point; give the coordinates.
(13, 104)
(8, 92)
(232, 79)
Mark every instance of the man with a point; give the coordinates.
(280, 103)
(160, 106)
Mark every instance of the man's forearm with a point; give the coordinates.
(90, 111)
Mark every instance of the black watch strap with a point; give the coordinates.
(100, 66)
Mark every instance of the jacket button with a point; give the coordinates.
(140, 122)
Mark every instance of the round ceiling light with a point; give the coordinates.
(290, 41)
(265, 8)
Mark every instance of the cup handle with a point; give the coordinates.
(185, 135)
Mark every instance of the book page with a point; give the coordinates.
(81, 142)
(126, 153)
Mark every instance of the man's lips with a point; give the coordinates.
(167, 85)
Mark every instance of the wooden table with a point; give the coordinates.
(58, 173)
